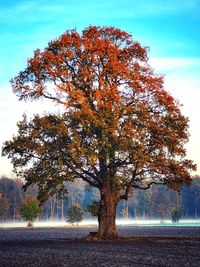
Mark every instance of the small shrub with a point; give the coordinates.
(74, 214)
(175, 215)
(30, 209)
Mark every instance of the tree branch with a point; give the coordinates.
(129, 186)
(149, 185)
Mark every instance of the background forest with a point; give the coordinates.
(156, 202)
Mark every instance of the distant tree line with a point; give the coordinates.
(156, 202)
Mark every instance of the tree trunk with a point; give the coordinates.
(107, 213)
(62, 209)
(52, 207)
(126, 213)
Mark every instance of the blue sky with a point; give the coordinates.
(171, 28)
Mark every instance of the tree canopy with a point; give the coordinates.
(120, 129)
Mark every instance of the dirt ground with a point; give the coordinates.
(146, 246)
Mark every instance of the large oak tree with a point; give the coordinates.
(120, 130)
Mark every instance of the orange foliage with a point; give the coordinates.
(118, 112)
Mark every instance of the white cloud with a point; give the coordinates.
(182, 80)
(172, 64)
(11, 112)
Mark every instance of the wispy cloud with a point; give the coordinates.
(43, 10)
(167, 7)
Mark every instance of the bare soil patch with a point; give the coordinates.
(64, 247)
